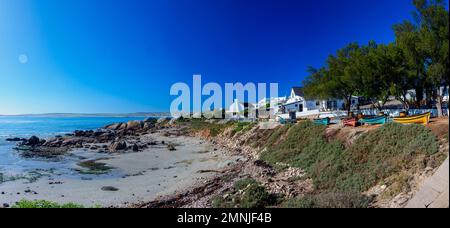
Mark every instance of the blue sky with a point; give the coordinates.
(102, 56)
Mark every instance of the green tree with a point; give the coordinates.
(433, 21)
(374, 67)
(425, 46)
(339, 79)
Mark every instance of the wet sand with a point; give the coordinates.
(135, 177)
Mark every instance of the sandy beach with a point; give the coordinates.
(134, 176)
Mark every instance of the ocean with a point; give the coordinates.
(43, 127)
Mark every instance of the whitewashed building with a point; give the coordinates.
(298, 106)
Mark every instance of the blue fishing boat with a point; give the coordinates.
(373, 120)
(324, 121)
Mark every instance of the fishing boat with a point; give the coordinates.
(350, 122)
(324, 121)
(373, 120)
(423, 119)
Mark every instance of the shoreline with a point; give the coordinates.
(141, 176)
(191, 163)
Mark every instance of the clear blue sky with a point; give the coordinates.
(91, 56)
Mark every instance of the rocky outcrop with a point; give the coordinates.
(116, 135)
(33, 141)
(117, 146)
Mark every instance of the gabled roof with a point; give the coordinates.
(298, 91)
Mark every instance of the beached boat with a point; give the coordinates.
(373, 120)
(324, 121)
(417, 119)
(350, 122)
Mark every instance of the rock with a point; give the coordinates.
(78, 133)
(33, 141)
(116, 146)
(148, 125)
(5, 205)
(135, 148)
(151, 120)
(94, 147)
(113, 126)
(135, 125)
(109, 189)
(15, 139)
(173, 121)
(162, 120)
(171, 147)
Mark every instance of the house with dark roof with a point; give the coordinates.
(298, 106)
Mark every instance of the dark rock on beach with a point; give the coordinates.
(116, 146)
(109, 189)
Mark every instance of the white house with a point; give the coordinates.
(298, 106)
(241, 110)
(270, 107)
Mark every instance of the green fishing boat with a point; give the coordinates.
(374, 120)
(324, 121)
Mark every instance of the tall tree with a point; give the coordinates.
(433, 19)
(336, 80)
(407, 39)
(425, 45)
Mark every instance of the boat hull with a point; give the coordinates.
(324, 121)
(373, 121)
(352, 122)
(423, 119)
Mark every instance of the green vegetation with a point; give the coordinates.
(373, 157)
(242, 127)
(418, 59)
(44, 204)
(197, 125)
(1, 178)
(284, 149)
(93, 167)
(329, 200)
(246, 193)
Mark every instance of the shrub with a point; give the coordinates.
(374, 157)
(298, 136)
(243, 183)
(247, 193)
(329, 200)
(242, 127)
(44, 204)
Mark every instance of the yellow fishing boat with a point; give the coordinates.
(423, 119)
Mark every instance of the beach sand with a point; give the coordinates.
(142, 176)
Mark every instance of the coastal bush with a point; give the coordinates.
(329, 200)
(246, 193)
(44, 204)
(215, 129)
(374, 157)
(297, 138)
(242, 127)
(274, 137)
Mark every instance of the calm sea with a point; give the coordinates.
(43, 127)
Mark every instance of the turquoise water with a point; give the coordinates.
(44, 127)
